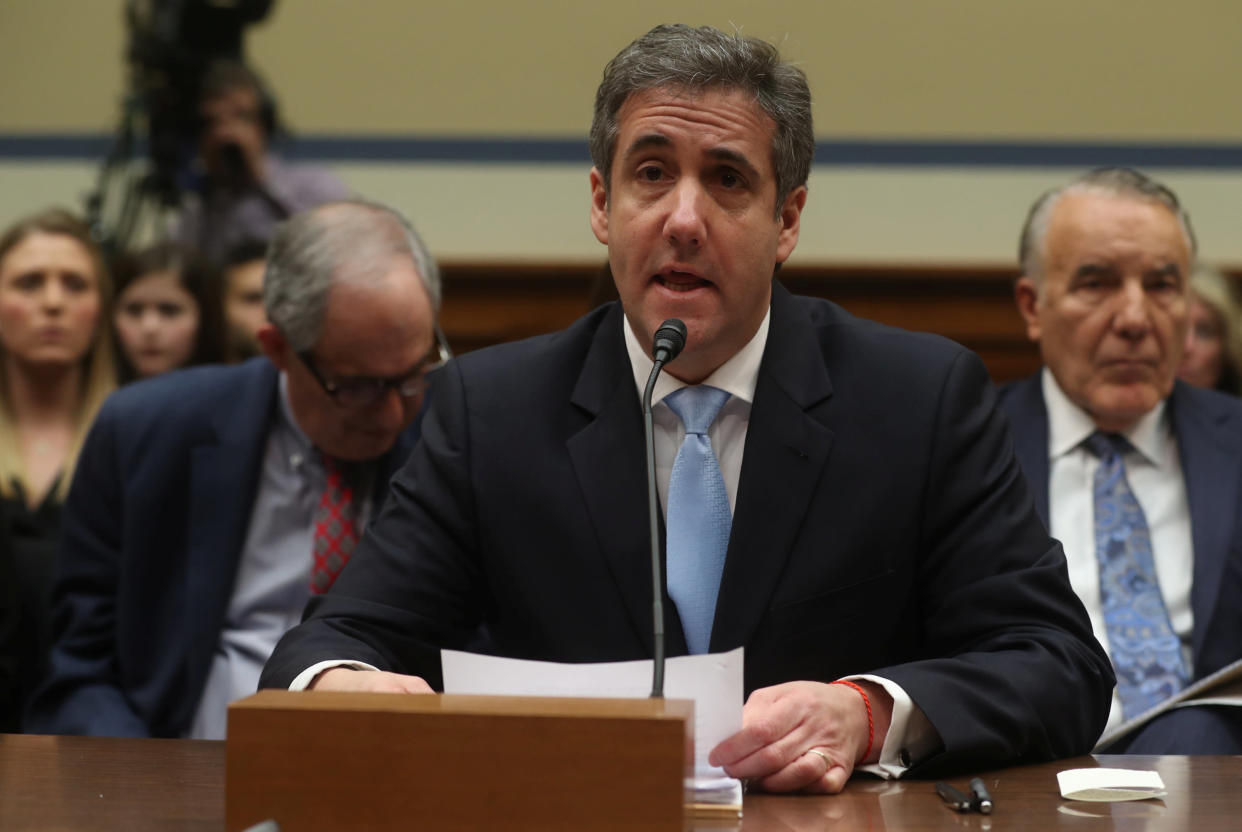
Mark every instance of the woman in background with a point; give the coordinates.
(56, 368)
(1213, 350)
(167, 312)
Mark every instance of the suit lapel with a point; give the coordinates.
(1210, 449)
(1029, 419)
(608, 461)
(787, 445)
(223, 481)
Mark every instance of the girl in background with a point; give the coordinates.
(167, 312)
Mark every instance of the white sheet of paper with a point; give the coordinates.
(1109, 785)
(713, 681)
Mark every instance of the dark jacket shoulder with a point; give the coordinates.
(194, 394)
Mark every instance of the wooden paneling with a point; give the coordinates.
(489, 303)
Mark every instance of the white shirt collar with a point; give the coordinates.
(1069, 425)
(737, 376)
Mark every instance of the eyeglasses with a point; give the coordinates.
(361, 391)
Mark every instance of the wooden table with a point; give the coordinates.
(70, 783)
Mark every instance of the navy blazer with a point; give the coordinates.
(1208, 428)
(882, 525)
(152, 536)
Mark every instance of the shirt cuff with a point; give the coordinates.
(308, 675)
(911, 735)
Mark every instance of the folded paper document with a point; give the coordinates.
(713, 681)
(1109, 785)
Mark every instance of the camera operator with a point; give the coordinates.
(245, 189)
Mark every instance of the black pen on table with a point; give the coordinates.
(952, 797)
(980, 801)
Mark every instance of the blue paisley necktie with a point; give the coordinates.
(1147, 654)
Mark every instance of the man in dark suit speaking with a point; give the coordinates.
(839, 497)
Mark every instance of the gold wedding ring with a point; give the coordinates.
(827, 760)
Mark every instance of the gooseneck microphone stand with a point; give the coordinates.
(669, 341)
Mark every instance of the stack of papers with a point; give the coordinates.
(715, 796)
(713, 681)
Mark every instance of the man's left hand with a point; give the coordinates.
(782, 724)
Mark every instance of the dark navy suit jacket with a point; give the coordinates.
(153, 532)
(1208, 427)
(882, 525)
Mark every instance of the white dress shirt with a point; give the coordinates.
(1154, 471)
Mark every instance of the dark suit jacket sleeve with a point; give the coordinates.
(82, 694)
(412, 585)
(1011, 669)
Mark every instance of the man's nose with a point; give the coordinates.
(389, 412)
(219, 130)
(684, 227)
(1133, 317)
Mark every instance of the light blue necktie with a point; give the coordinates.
(1147, 654)
(698, 516)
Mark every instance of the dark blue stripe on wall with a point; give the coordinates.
(879, 152)
(448, 149)
(55, 146)
(1026, 154)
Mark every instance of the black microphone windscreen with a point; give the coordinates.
(670, 339)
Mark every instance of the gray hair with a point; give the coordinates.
(684, 58)
(1120, 182)
(352, 241)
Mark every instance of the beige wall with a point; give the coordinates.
(1112, 69)
(1085, 70)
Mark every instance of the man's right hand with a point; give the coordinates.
(368, 681)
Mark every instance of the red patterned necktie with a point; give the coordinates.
(336, 535)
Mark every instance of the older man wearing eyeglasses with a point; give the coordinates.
(210, 504)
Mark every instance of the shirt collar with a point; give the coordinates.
(737, 376)
(1069, 425)
(286, 418)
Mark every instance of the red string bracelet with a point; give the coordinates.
(870, 721)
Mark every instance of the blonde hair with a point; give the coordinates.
(98, 365)
(1211, 287)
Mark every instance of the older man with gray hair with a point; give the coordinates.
(1137, 474)
(210, 504)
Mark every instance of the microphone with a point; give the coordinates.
(669, 341)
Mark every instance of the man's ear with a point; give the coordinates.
(1026, 293)
(599, 207)
(791, 223)
(275, 347)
